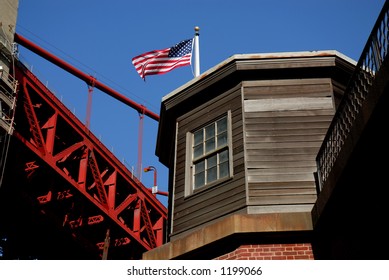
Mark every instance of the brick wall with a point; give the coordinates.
(297, 251)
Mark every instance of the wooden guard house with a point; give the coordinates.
(240, 142)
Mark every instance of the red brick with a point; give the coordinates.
(290, 253)
(301, 248)
(271, 251)
(277, 249)
(301, 257)
(245, 254)
(279, 258)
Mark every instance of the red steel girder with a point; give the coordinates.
(90, 170)
(81, 75)
(37, 136)
(148, 225)
(97, 179)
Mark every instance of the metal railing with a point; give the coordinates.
(8, 89)
(373, 55)
(9, 81)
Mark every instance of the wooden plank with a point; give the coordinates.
(290, 63)
(280, 185)
(283, 164)
(284, 151)
(287, 88)
(286, 132)
(288, 145)
(280, 164)
(289, 119)
(194, 222)
(300, 113)
(276, 171)
(288, 104)
(285, 139)
(209, 212)
(283, 200)
(282, 125)
(281, 177)
(212, 197)
(285, 82)
(280, 91)
(282, 192)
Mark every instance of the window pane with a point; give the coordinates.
(223, 156)
(199, 167)
(222, 125)
(199, 180)
(210, 145)
(198, 150)
(212, 174)
(222, 139)
(199, 174)
(198, 137)
(223, 164)
(221, 132)
(212, 161)
(210, 131)
(212, 169)
(223, 170)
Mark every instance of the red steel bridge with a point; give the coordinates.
(63, 194)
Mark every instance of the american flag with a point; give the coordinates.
(163, 61)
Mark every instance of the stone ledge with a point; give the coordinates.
(239, 223)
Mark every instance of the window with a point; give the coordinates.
(210, 153)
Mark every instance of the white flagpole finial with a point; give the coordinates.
(197, 51)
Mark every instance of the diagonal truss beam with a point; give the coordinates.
(91, 172)
(102, 194)
(32, 119)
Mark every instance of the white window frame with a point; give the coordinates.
(191, 161)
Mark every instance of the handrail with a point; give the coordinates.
(373, 55)
(10, 81)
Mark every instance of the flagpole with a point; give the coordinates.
(197, 52)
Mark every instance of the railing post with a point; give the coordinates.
(376, 52)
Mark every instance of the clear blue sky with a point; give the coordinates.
(101, 37)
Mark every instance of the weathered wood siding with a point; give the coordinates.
(197, 209)
(285, 122)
